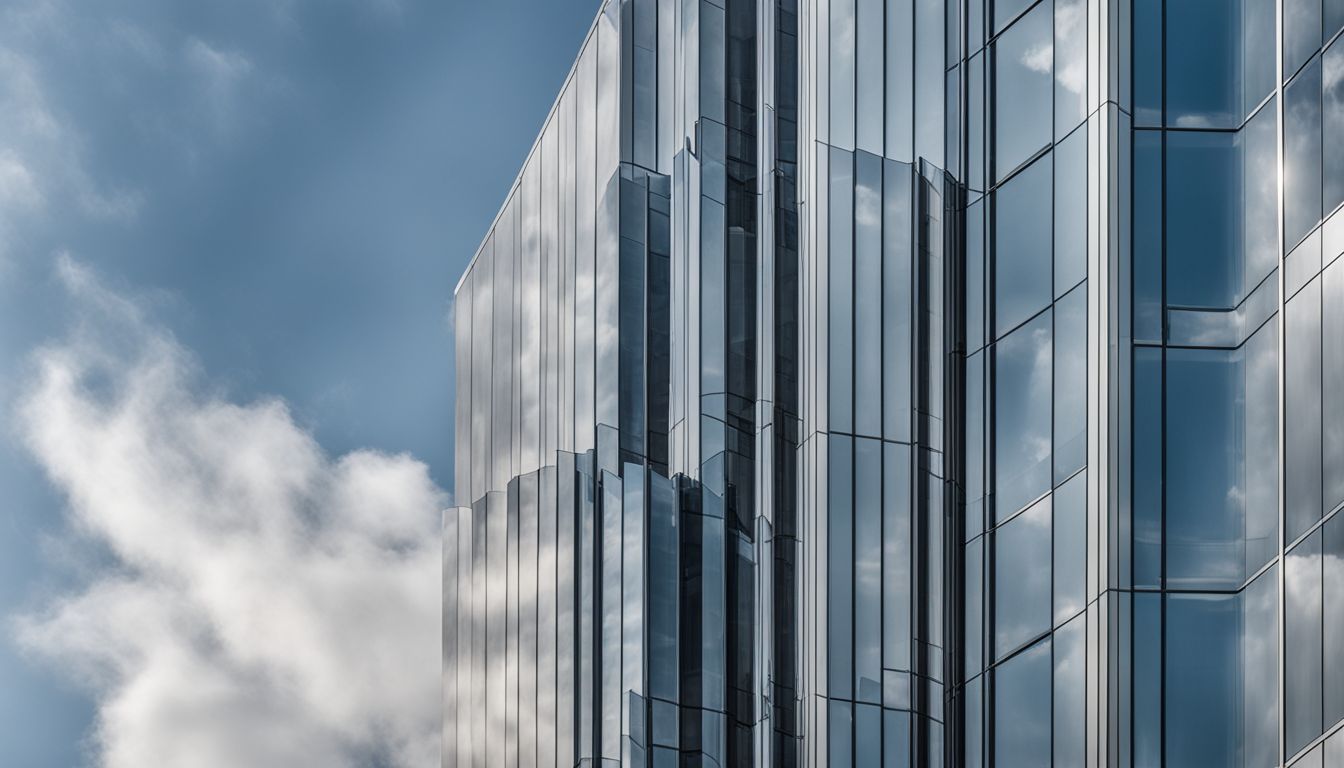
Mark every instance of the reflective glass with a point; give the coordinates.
(975, 444)
(1302, 643)
(1070, 552)
(1022, 578)
(896, 300)
(1260, 670)
(1302, 404)
(1070, 427)
(1070, 64)
(1022, 708)
(974, 608)
(1006, 10)
(840, 574)
(867, 294)
(896, 739)
(1217, 500)
(1070, 211)
(1203, 219)
(870, 65)
(1023, 67)
(1022, 264)
(896, 557)
(1259, 44)
(1203, 64)
(1334, 17)
(1260, 187)
(1071, 694)
(1332, 364)
(842, 50)
(867, 735)
(1147, 453)
(1022, 413)
(1147, 678)
(1148, 235)
(1148, 63)
(1301, 33)
(1332, 593)
(1333, 115)
(1302, 154)
(841, 300)
(1203, 695)
(840, 715)
(868, 570)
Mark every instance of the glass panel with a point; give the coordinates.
(1333, 115)
(1148, 235)
(1070, 211)
(1202, 692)
(1302, 643)
(1022, 578)
(868, 735)
(1070, 383)
(869, 75)
(1203, 219)
(1070, 64)
(1203, 64)
(841, 716)
(1071, 694)
(842, 73)
(1332, 364)
(1006, 10)
(896, 301)
(1148, 63)
(1260, 185)
(1332, 562)
(896, 557)
(1301, 33)
(1147, 457)
(975, 444)
(1022, 264)
(1221, 418)
(1023, 62)
(868, 570)
(1258, 51)
(868, 294)
(1302, 154)
(840, 576)
(1260, 670)
(841, 301)
(1302, 404)
(896, 739)
(1022, 412)
(1147, 678)
(1070, 553)
(1022, 708)
(974, 608)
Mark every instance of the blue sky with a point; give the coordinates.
(287, 191)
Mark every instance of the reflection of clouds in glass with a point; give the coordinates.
(1039, 58)
(1260, 662)
(1071, 26)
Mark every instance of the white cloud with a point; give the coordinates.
(265, 604)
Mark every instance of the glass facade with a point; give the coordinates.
(911, 383)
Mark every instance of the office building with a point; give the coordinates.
(911, 383)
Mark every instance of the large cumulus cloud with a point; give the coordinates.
(261, 603)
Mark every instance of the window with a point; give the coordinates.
(840, 577)
(1022, 412)
(868, 570)
(1071, 693)
(1070, 65)
(841, 304)
(867, 294)
(1302, 154)
(1302, 403)
(1022, 708)
(1301, 33)
(1070, 425)
(1022, 578)
(1070, 158)
(1070, 552)
(1302, 643)
(1332, 579)
(1220, 493)
(1203, 64)
(1023, 76)
(1332, 363)
(1022, 264)
(1333, 114)
(1203, 208)
(1221, 688)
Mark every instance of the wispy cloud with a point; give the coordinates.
(264, 604)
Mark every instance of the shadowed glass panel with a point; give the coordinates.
(1023, 87)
